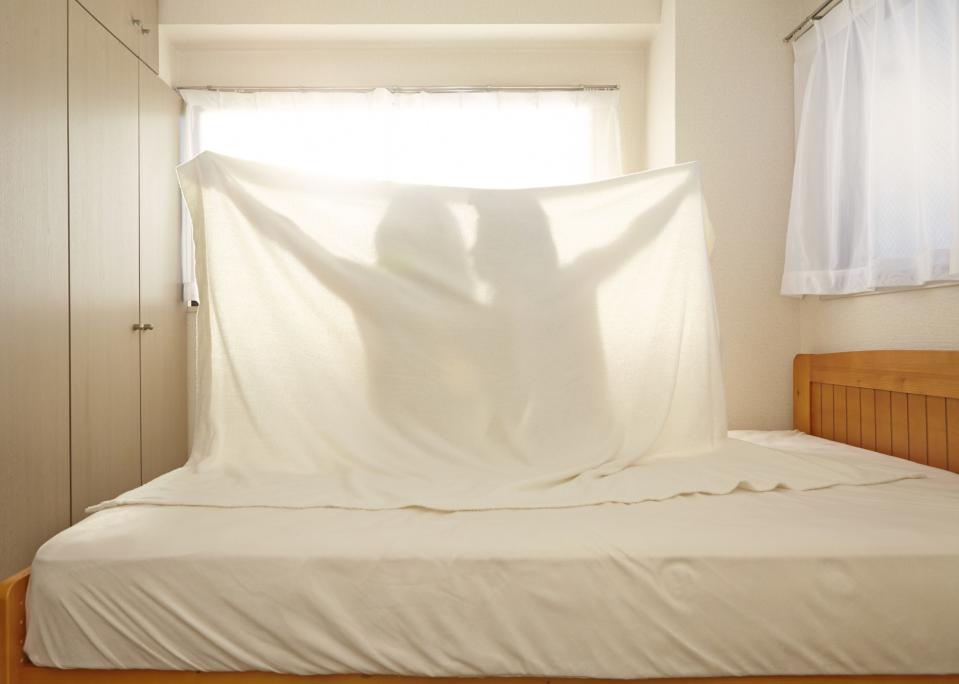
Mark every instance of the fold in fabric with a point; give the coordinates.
(733, 465)
(374, 345)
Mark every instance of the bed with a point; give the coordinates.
(846, 581)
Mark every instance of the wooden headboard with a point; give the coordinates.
(903, 403)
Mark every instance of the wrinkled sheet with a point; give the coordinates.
(843, 580)
(374, 345)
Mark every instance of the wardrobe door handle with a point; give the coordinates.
(137, 326)
(135, 21)
(147, 326)
(144, 31)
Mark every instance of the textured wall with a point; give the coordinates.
(661, 91)
(734, 114)
(912, 319)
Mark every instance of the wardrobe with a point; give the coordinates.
(92, 328)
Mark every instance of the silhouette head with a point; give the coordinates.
(419, 238)
(514, 247)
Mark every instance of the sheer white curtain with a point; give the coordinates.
(876, 182)
(497, 139)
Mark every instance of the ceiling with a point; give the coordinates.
(358, 23)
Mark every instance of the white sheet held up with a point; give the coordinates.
(376, 345)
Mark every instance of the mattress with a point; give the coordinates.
(842, 580)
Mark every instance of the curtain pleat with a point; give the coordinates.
(876, 180)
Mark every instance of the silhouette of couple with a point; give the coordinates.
(494, 349)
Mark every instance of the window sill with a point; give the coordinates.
(888, 290)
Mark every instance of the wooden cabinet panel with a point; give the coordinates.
(34, 314)
(119, 17)
(133, 22)
(163, 349)
(104, 268)
(149, 48)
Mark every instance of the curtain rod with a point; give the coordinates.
(807, 23)
(398, 89)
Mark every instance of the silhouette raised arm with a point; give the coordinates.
(597, 264)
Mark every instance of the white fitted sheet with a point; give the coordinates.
(849, 579)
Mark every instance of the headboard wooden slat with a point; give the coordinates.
(814, 416)
(839, 420)
(900, 424)
(917, 425)
(904, 403)
(867, 413)
(938, 436)
(952, 431)
(828, 412)
(854, 415)
(883, 421)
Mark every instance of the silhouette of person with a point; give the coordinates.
(519, 376)
(421, 370)
(545, 365)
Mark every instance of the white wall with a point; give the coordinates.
(661, 91)
(913, 319)
(734, 114)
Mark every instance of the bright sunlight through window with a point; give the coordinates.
(475, 139)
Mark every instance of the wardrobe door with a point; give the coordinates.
(104, 264)
(34, 322)
(162, 348)
(121, 17)
(149, 48)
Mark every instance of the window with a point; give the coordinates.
(504, 138)
(875, 201)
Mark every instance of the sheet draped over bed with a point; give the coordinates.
(844, 580)
(374, 345)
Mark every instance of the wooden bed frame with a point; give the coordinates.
(904, 403)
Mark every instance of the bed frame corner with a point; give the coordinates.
(13, 626)
(802, 365)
